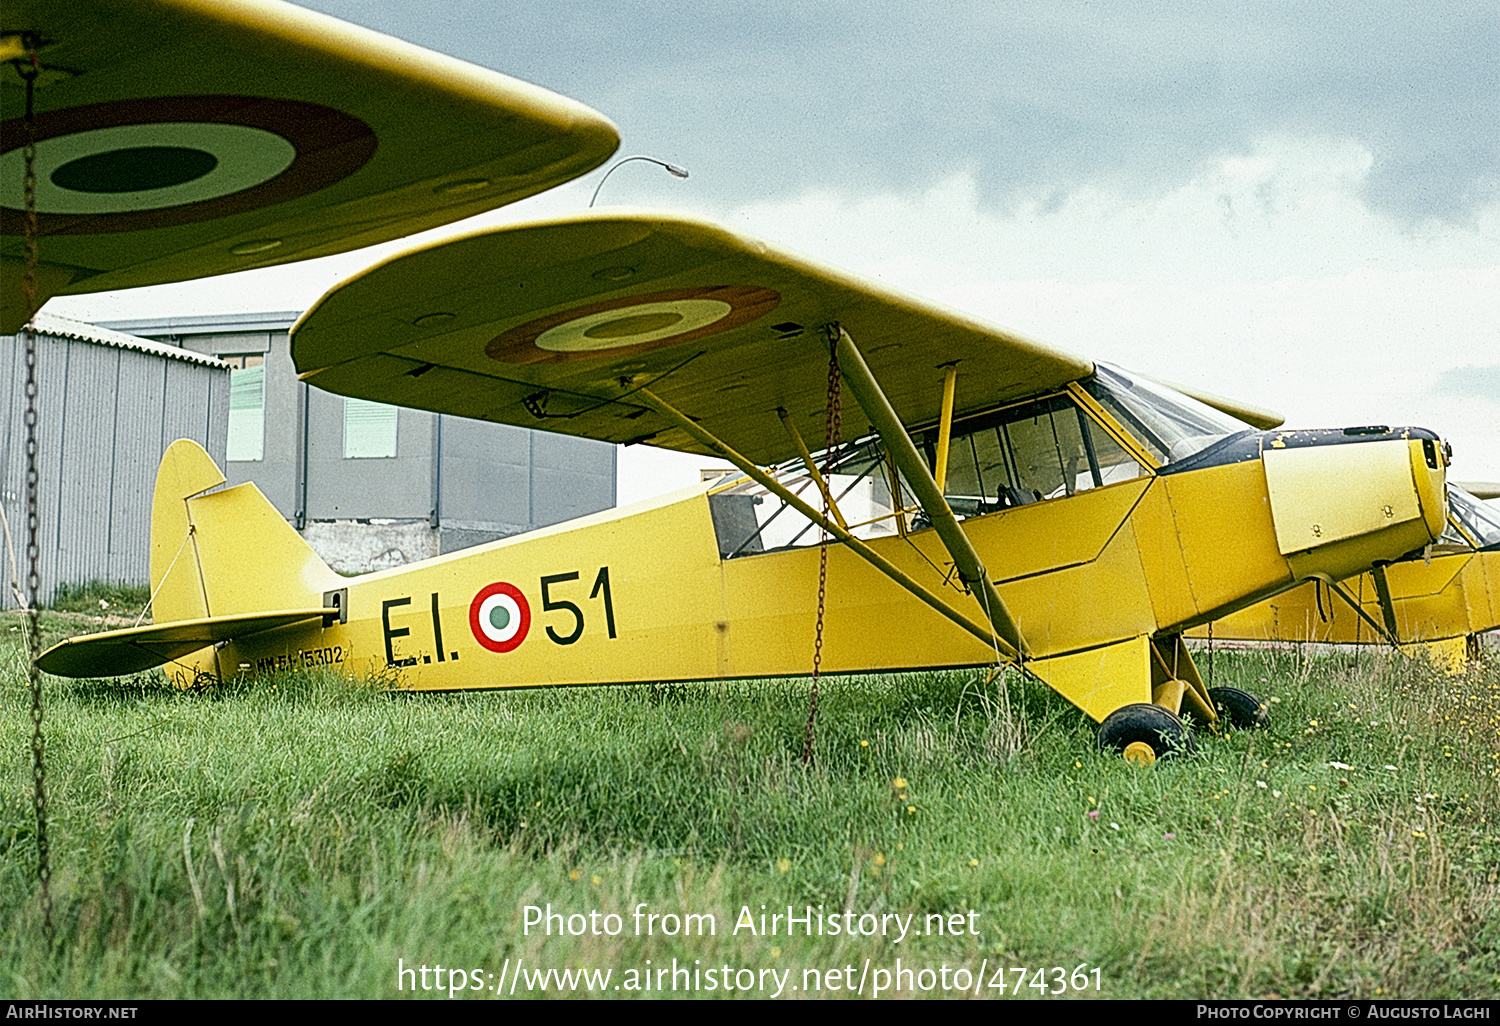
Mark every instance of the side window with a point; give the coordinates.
(750, 520)
(1046, 449)
(247, 406)
(1037, 451)
(369, 430)
(1115, 464)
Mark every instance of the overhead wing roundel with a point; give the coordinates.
(632, 324)
(177, 139)
(558, 324)
(138, 164)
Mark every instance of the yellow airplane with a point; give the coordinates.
(1001, 501)
(177, 139)
(1439, 599)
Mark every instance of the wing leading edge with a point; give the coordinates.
(553, 325)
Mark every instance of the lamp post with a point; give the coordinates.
(676, 171)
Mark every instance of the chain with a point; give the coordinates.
(1210, 653)
(33, 551)
(832, 428)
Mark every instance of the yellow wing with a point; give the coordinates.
(1255, 416)
(183, 138)
(551, 325)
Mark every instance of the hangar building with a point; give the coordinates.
(109, 404)
(372, 486)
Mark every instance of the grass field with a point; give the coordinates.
(305, 836)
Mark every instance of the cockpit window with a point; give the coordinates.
(1479, 518)
(749, 519)
(1170, 425)
(1045, 449)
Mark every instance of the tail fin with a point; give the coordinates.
(224, 552)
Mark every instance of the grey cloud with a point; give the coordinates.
(771, 98)
(1470, 382)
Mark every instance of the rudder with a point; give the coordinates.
(218, 553)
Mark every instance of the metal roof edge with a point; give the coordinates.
(59, 326)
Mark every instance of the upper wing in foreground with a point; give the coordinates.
(183, 138)
(116, 653)
(551, 325)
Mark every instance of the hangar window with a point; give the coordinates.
(247, 406)
(369, 430)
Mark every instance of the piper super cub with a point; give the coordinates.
(1439, 600)
(999, 501)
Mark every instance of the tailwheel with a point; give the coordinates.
(1143, 733)
(1243, 710)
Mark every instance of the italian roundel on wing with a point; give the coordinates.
(499, 616)
(632, 324)
(129, 165)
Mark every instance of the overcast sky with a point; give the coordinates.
(1297, 205)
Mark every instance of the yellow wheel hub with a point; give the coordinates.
(1139, 753)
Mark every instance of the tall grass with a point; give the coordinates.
(296, 836)
(101, 597)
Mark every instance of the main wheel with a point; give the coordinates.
(1242, 709)
(1144, 733)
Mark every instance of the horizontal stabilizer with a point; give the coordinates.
(116, 653)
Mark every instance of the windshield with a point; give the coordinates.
(1478, 517)
(1171, 425)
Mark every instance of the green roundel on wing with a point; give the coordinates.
(499, 617)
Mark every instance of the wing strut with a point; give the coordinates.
(775, 487)
(898, 443)
(1341, 592)
(812, 468)
(945, 426)
(1383, 592)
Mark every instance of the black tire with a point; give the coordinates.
(1243, 710)
(1143, 723)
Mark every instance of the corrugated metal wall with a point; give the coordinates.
(106, 415)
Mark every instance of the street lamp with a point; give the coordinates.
(674, 170)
